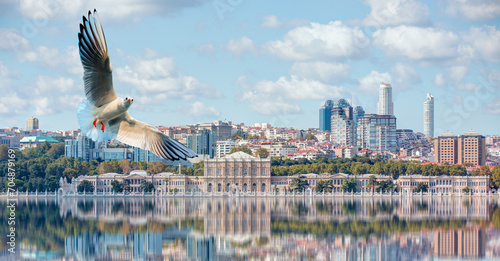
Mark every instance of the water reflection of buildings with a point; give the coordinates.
(134, 246)
(462, 243)
(230, 226)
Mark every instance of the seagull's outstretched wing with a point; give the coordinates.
(94, 55)
(144, 136)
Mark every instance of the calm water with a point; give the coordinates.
(255, 229)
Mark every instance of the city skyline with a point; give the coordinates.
(213, 60)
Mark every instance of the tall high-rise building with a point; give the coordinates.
(343, 128)
(429, 116)
(446, 148)
(32, 124)
(202, 142)
(385, 104)
(377, 132)
(325, 114)
(470, 147)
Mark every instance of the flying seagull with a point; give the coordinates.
(103, 115)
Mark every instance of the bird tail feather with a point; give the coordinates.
(86, 114)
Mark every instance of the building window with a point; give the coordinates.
(254, 171)
(263, 172)
(263, 188)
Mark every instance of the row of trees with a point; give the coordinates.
(117, 186)
(349, 185)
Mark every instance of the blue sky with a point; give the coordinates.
(186, 62)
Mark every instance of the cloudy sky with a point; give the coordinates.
(192, 61)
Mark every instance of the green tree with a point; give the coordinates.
(466, 190)
(421, 187)
(495, 177)
(349, 185)
(311, 136)
(372, 181)
(241, 148)
(116, 186)
(85, 186)
(484, 170)
(298, 184)
(147, 186)
(324, 186)
(386, 185)
(262, 153)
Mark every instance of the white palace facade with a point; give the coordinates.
(242, 172)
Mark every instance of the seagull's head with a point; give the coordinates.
(128, 100)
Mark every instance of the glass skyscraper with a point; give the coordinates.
(325, 114)
(385, 106)
(429, 116)
(377, 132)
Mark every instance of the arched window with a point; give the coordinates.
(245, 187)
(263, 188)
(227, 187)
(219, 187)
(254, 187)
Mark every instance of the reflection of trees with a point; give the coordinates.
(421, 206)
(358, 227)
(85, 206)
(116, 207)
(324, 207)
(349, 208)
(299, 208)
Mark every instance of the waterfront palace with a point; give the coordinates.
(242, 172)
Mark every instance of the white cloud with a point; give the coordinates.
(68, 59)
(320, 41)
(405, 74)
(239, 46)
(439, 80)
(272, 21)
(396, 12)
(417, 43)
(55, 86)
(475, 10)
(371, 82)
(322, 71)
(206, 48)
(199, 109)
(11, 104)
(11, 39)
(268, 97)
(458, 73)
(155, 76)
(486, 41)
(42, 10)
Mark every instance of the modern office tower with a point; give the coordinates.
(81, 147)
(385, 104)
(446, 148)
(429, 116)
(202, 142)
(343, 128)
(358, 112)
(472, 148)
(377, 132)
(325, 114)
(32, 124)
(223, 147)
